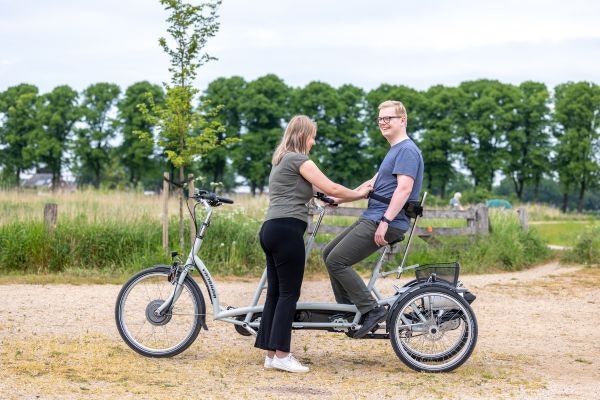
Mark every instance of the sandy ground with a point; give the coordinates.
(539, 337)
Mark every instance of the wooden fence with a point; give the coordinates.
(477, 221)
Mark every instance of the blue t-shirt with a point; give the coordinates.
(403, 158)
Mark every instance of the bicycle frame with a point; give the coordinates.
(234, 315)
(429, 320)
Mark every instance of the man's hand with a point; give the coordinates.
(380, 234)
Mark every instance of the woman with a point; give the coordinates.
(292, 182)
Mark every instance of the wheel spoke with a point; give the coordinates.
(158, 335)
(445, 336)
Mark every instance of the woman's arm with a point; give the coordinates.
(313, 174)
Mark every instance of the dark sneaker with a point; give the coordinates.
(372, 318)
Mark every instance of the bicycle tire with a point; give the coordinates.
(158, 336)
(441, 343)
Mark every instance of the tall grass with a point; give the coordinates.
(540, 212)
(118, 233)
(587, 248)
(507, 248)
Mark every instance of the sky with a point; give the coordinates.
(364, 43)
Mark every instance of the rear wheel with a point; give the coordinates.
(154, 335)
(433, 329)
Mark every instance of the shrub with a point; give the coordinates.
(587, 249)
(507, 248)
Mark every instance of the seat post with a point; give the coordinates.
(412, 231)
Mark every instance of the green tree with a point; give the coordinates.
(577, 113)
(441, 118)
(350, 163)
(341, 134)
(528, 146)
(59, 111)
(228, 93)
(264, 110)
(184, 133)
(18, 126)
(93, 143)
(137, 156)
(490, 114)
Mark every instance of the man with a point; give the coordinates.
(399, 178)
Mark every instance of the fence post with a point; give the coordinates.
(50, 217)
(482, 220)
(191, 204)
(165, 213)
(523, 218)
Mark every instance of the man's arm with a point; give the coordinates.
(399, 198)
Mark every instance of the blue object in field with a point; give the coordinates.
(498, 203)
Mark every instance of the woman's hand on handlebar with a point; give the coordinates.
(328, 201)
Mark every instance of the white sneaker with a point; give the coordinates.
(268, 362)
(289, 364)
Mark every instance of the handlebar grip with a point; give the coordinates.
(323, 197)
(225, 200)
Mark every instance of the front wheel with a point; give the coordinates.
(433, 329)
(154, 335)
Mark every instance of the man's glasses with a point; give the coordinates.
(385, 120)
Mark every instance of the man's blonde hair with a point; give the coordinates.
(397, 106)
(295, 137)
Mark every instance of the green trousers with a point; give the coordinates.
(354, 244)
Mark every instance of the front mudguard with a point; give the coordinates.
(202, 303)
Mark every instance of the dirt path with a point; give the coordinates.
(538, 338)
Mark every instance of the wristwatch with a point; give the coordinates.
(384, 219)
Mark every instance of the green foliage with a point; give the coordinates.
(137, 156)
(228, 92)
(58, 114)
(577, 117)
(190, 27)
(527, 153)
(507, 248)
(18, 127)
(264, 110)
(587, 248)
(92, 147)
(231, 248)
(76, 243)
(341, 140)
(184, 134)
(483, 126)
(489, 115)
(438, 143)
(561, 233)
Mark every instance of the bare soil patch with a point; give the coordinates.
(538, 338)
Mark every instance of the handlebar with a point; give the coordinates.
(211, 198)
(323, 197)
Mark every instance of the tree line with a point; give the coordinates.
(469, 134)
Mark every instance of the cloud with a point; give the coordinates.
(419, 44)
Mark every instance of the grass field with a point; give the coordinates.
(562, 233)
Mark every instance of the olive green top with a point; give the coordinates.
(288, 190)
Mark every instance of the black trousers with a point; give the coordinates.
(282, 240)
